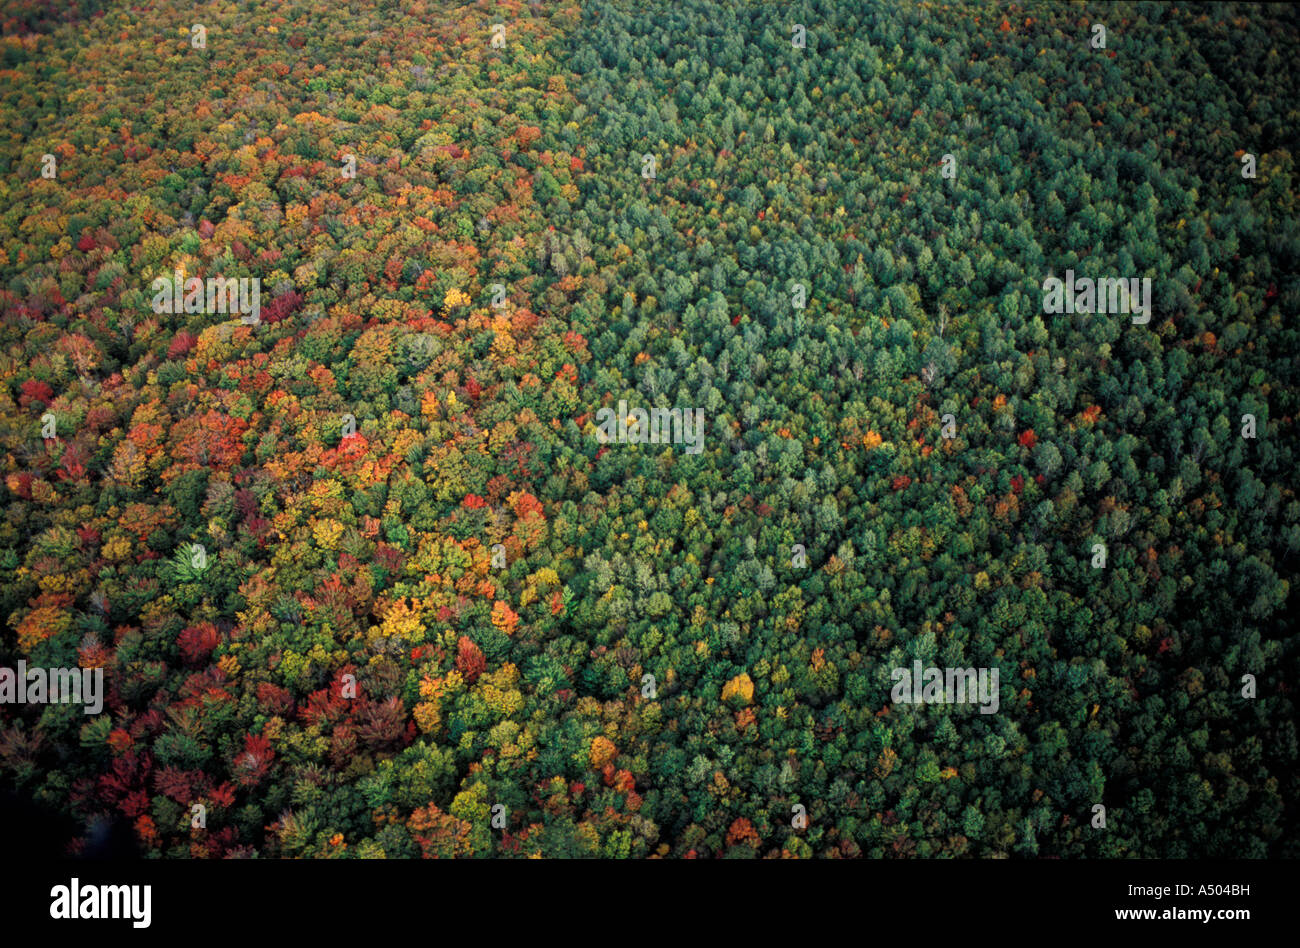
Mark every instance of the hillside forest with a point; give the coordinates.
(630, 392)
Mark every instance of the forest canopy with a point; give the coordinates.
(377, 547)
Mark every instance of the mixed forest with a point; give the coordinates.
(365, 582)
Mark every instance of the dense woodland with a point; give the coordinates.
(499, 583)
